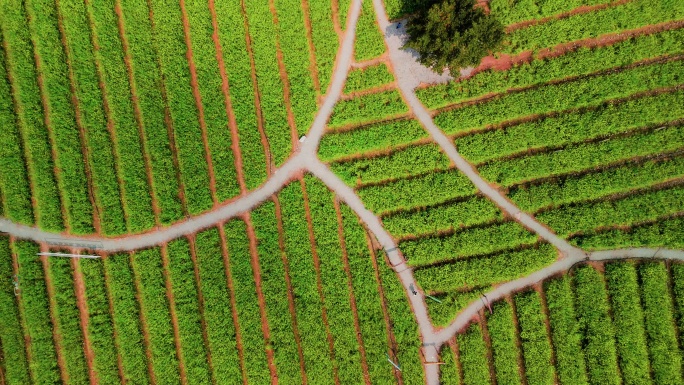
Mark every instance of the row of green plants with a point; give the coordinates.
(335, 283)
(566, 337)
(445, 217)
(595, 184)
(21, 68)
(405, 194)
(360, 79)
(534, 338)
(100, 326)
(247, 305)
(239, 72)
(404, 325)
(217, 309)
(677, 272)
(63, 129)
(367, 108)
(342, 12)
(580, 62)
(448, 372)
(144, 67)
(126, 318)
(275, 289)
(472, 351)
(209, 85)
(128, 147)
(583, 92)
(504, 345)
(631, 15)
(156, 315)
(369, 41)
(14, 181)
(367, 297)
(318, 360)
(325, 40)
(294, 45)
(663, 232)
(181, 275)
(374, 137)
(628, 318)
(413, 160)
(12, 332)
(66, 320)
(659, 322)
(632, 209)
(509, 12)
(90, 111)
(34, 305)
(468, 242)
(595, 326)
(557, 131)
(168, 38)
(263, 39)
(576, 158)
(483, 271)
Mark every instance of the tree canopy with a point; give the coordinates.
(452, 34)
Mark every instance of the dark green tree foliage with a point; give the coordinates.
(453, 34)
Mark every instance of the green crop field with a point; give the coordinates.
(275, 195)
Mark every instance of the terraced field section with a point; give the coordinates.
(123, 116)
(295, 291)
(612, 323)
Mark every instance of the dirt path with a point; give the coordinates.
(200, 301)
(172, 310)
(80, 292)
(143, 321)
(56, 335)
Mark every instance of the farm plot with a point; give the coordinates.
(587, 326)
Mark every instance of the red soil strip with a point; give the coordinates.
(233, 304)
(119, 360)
(359, 125)
(257, 96)
(81, 132)
(518, 342)
(373, 62)
(392, 348)
(284, 79)
(335, 5)
(20, 307)
(200, 300)
(369, 91)
(57, 338)
(246, 217)
(136, 110)
(453, 344)
(577, 11)
(143, 321)
(80, 291)
(198, 101)
(350, 288)
(110, 122)
(488, 344)
(312, 51)
(484, 4)
(172, 310)
(379, 152)
(169, 125)
(319, 283)
(288, 282)
(225, 88)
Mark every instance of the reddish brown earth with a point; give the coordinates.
(488, 344)
(547, 323)
(57, 338)
(319, 284)
(246, 217)
(453, 345)
(577, 11)
(20, 307)
(136, 109)
(312, 55)
(354, 126)
(290, 293)
(143, 321)
(257, 96)
(225, 88)
(233, 305)
(336, 19)
(369, 91)
(200, 300)
(172, 311)
(392, 348)
(384, 58)
(80, 291)
(110, 303)
(198, 101)
(518, 342)
(350, 289)
(378, 153)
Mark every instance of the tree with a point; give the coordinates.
(453, 34)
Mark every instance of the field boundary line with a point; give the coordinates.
(312, 51)
(563, 15)
(56, 335)
(110, 303)
(84, 317)
(143, 321)
(172, 312)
